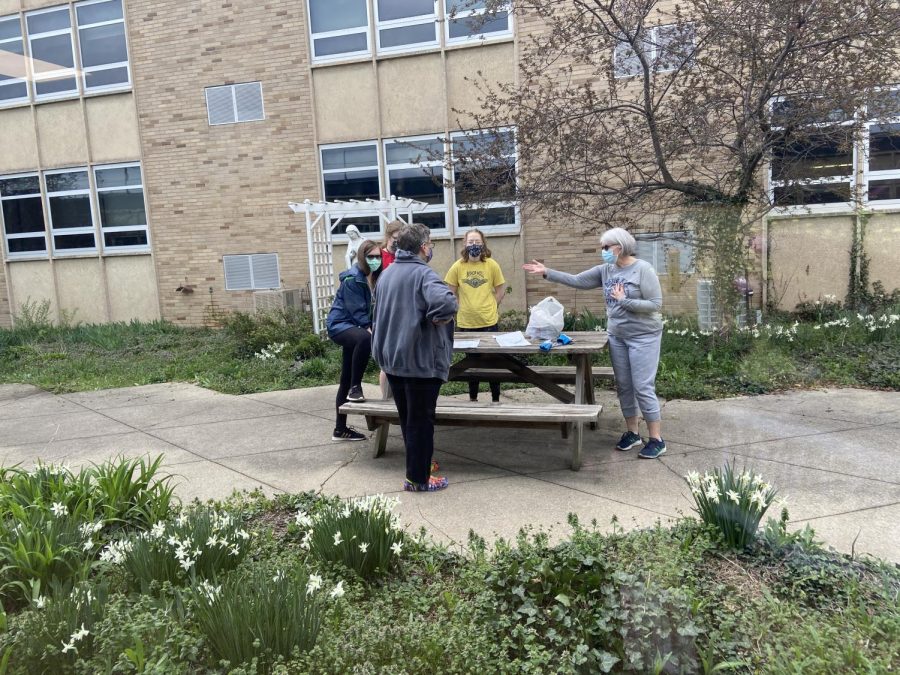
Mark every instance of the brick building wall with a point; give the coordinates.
(224, 189)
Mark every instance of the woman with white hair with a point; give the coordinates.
(634, 323)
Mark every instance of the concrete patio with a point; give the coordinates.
(833, 453)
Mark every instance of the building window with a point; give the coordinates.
(468, 20)
(101, 37)
(350, 172)
(234, 103)
(69, 211)
(415, 170)
(402, 24)
(23, 216)
(883, 163)
(251, 272)
(654, 247)
(339, 28)
(52, 52)
(120, 204)
(484, 179)
(665, 47)
(13, 77)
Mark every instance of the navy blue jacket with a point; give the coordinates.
(352, 304)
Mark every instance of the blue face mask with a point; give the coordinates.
(374, 263)
(430, 254)
(474, 250)
(609, 257)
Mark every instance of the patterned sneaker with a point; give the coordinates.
(628, 441)
(434, 484)
(356, 395)
(348, 434)
(654, 448)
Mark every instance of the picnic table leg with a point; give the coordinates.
(576, 451)
(584, 381)
(379, 440)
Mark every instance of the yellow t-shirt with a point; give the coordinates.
(475, 282)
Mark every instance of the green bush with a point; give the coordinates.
(360, 534)
(201, 543)
(260, 616)
(732, 502)
(254, 332)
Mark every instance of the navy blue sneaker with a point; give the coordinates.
(654, 448)
(628, 441)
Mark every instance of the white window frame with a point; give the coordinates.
(416, 20)
(233, 90)
(477, 37)
(431, 163)
(53, 232)
(85, 71)
(651, 44)
(868, 174)
(29, 255)
(61, 73)
(366, 29)
(339, 237)
(661, 242)
(111, 250)
(251, 258)
(507, 228)
(802, 209)
(18, 80)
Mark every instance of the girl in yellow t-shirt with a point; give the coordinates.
(478, 282)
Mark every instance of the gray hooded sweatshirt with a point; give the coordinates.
(409, 298)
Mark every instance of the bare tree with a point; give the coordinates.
(625, 108)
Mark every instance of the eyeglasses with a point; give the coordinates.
(606, 247)
(373, 257)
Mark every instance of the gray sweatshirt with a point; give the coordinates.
(409, 298)
(638, 313)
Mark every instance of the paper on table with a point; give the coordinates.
(511, 339)
(466, 344)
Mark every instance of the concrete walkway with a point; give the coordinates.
(833, 453)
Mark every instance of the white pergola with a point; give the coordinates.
(321, 219)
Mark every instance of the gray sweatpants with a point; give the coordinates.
(634, 361)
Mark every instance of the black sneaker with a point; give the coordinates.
(356, 395)
(348, 434)
(628, 441)
(654, 448)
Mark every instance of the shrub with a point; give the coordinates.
(261, 616)
(361, 534)
(202, 543)
(254, 332)
(734, 503)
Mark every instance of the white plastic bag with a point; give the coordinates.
(546, 321)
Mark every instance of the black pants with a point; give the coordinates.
(357, 344)
(416, 399)
(473, 384)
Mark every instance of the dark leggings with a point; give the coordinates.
(416, 399)
(357, 344)
(473, 384)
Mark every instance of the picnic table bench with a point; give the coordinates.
(380, 414)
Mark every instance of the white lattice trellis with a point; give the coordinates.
(321, 219)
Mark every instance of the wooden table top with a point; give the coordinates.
(583, 342)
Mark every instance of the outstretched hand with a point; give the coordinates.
(534, 267)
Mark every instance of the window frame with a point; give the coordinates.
(654, 51)
(661, 241)
(439, 163)
(475, 37)
(342, 238)
(120, 228)
(233, 90)
(250, 258)
(28, 255)
(25, 59)
(327, 58)
(68, 231)
(86, 70)
(66, 73)
(833, 207)
(415, 20)
(506, 228)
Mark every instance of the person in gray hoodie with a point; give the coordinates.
(634, 323)
(412, 343)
